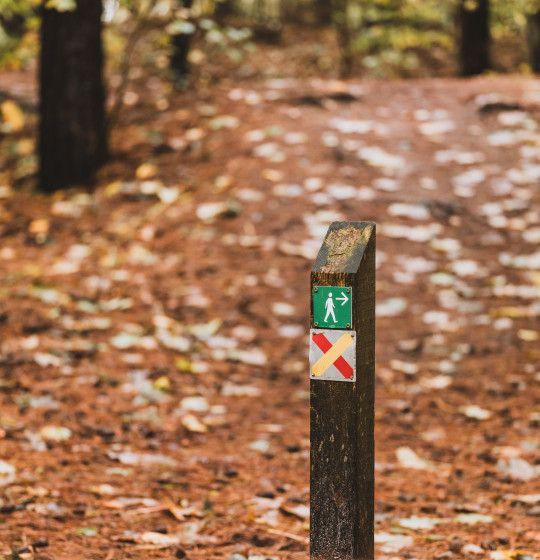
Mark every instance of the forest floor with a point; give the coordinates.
(153, 333)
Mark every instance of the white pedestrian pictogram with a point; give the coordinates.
(329, 305)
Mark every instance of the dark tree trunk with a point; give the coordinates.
(13, 25)
(340, 17)
(474, 37)
(180, 45)
(533, 41)
(72, 135)
(223, 10)
(323, 12)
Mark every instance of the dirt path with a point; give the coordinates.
(153, 336)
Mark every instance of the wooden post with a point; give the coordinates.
(342, 404)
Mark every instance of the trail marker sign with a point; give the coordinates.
(342, 349)
(332, 355)
(332, 307)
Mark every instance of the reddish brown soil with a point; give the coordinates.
(156, 254)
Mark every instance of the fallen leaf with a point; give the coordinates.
(473, 518)
(55, 433)
(146, 171)
(103, 490)
(409, 368)
(518, 469)
(123, 502)
(87, 531)
(147, 459)
(420, 523)
(301, 511)
(12, 117)
(160, 539)
(476, 412)
(194, 404)
(410, 460)
(391, 543)
(391, 307)
(7, 473)
(260, 445)
(232, 390)
(193, 424)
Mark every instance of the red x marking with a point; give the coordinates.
(341, 364)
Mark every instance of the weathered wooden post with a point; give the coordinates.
(342, 373)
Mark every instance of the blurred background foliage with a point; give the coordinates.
(88, 52)
(375, 38)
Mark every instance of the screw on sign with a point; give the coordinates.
(342, 380)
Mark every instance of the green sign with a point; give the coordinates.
(332, 307)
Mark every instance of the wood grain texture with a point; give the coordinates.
(342, 414)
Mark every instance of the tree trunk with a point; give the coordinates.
(13, 25)
(180, 45)
(323, 12)
(474, 37)
(340, 17)
(72, 135)
(533, 41)
(223, 10)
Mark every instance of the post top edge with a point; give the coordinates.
(344, 246)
